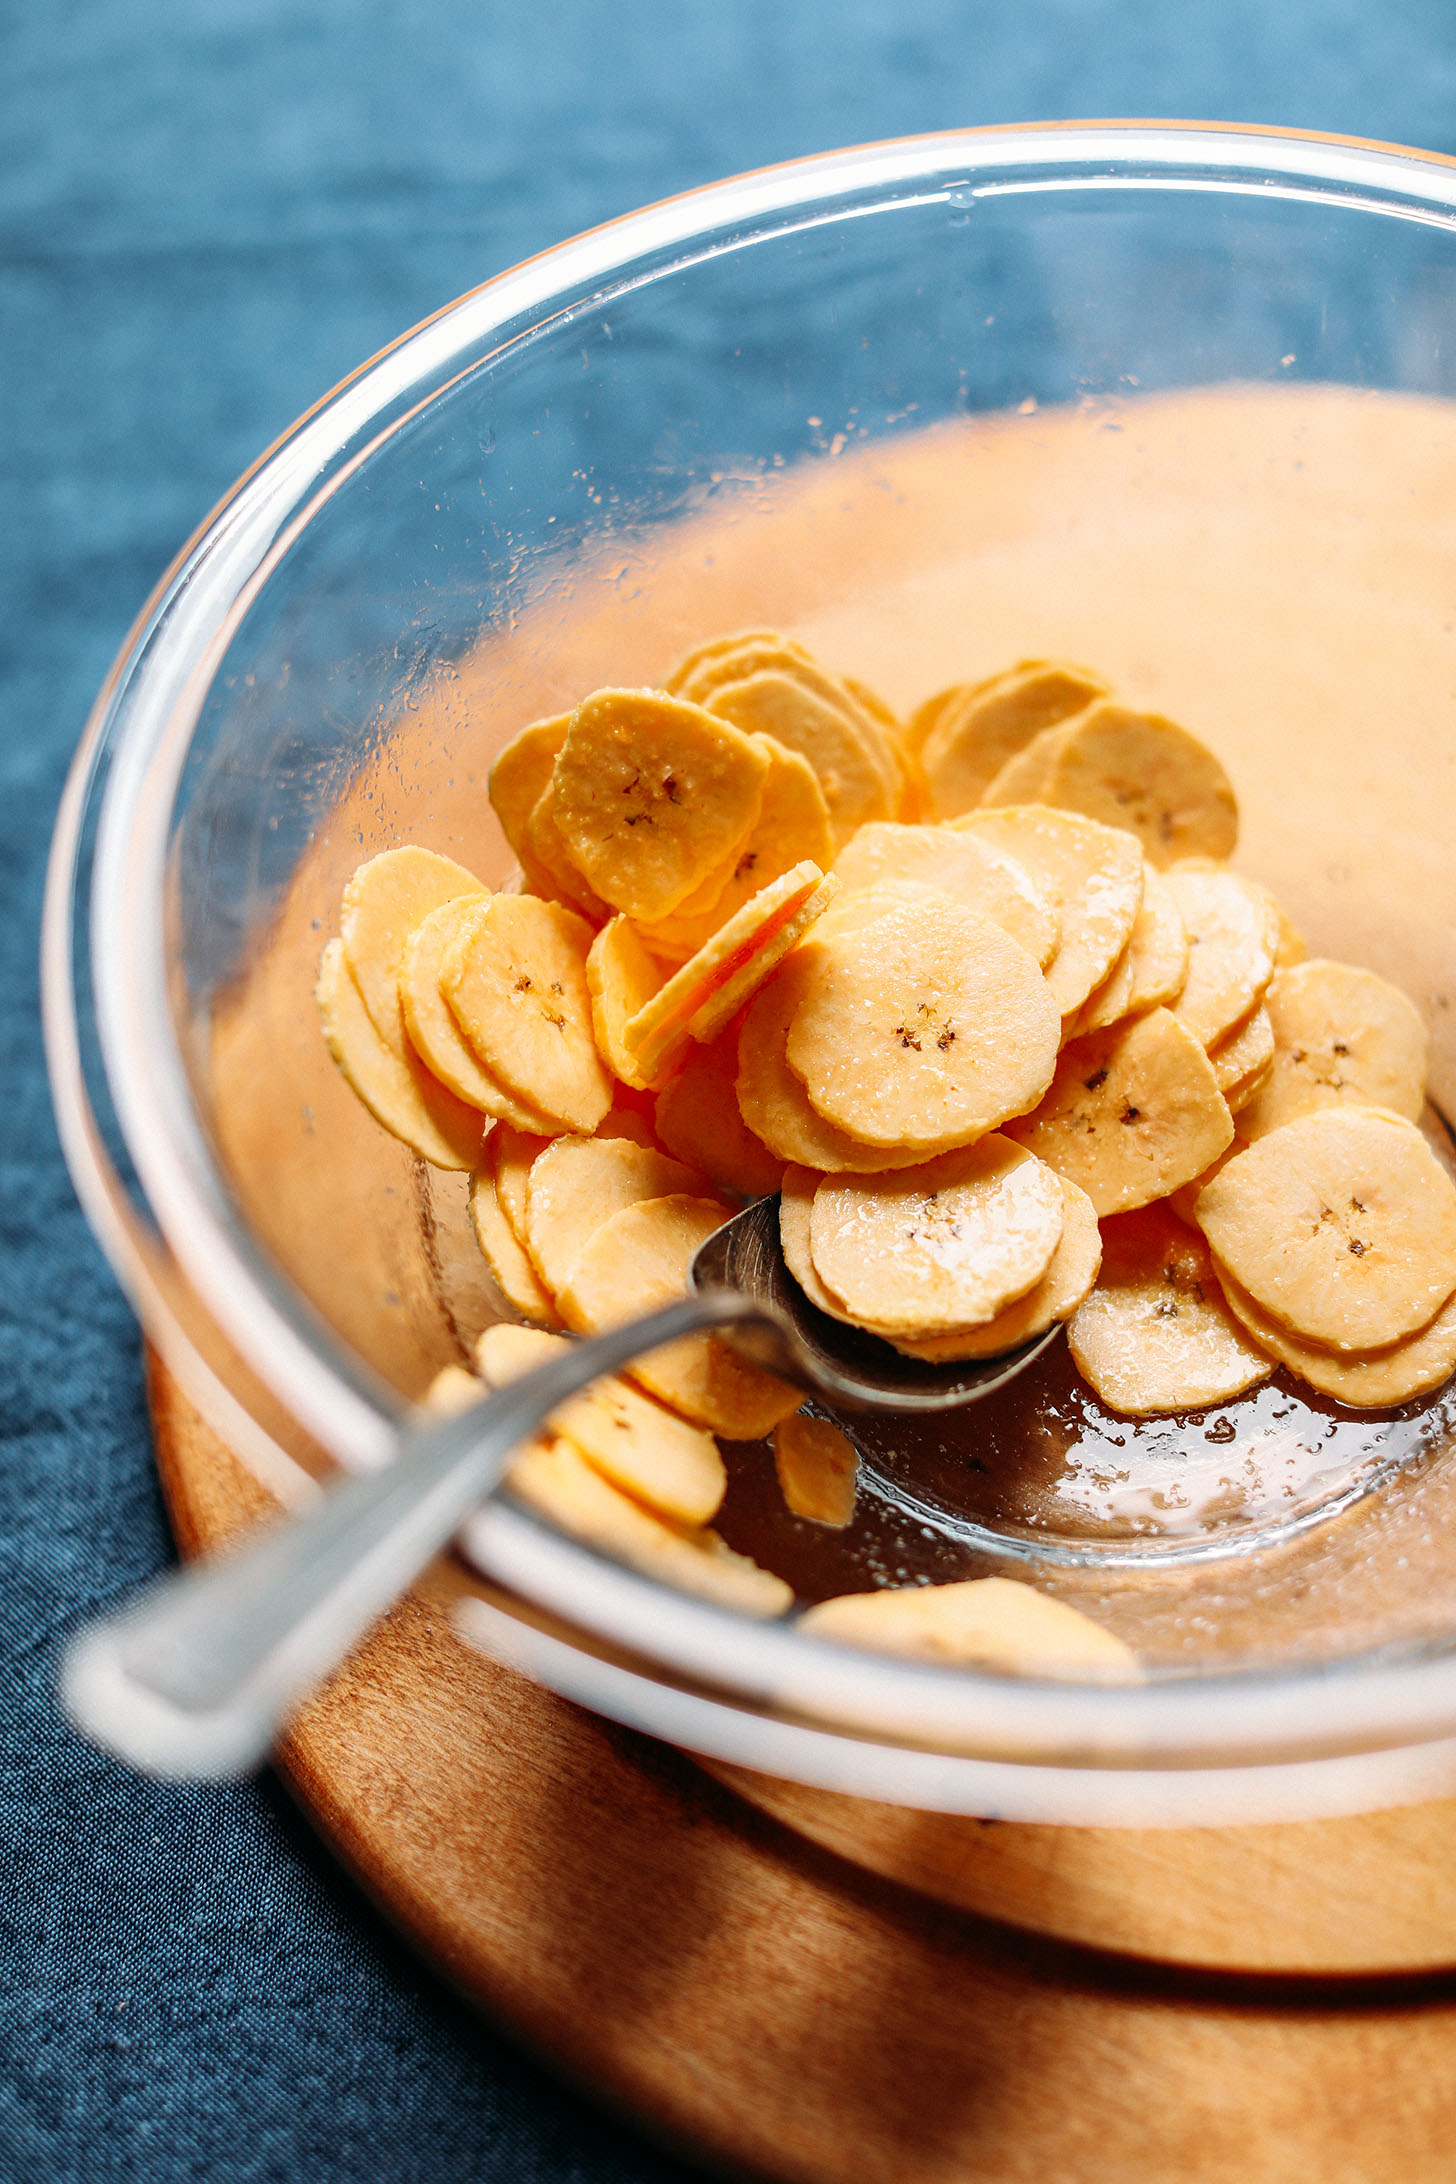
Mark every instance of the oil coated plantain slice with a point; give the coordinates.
(1155, 1335)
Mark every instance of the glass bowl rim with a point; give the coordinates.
(115, 812)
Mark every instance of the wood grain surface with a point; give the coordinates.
(734, 1971)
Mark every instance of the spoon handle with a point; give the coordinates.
(196, 1679)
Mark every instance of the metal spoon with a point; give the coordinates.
(197, 1678)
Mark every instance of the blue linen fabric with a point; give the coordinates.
(210, 210)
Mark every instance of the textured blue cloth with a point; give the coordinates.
(209, 211)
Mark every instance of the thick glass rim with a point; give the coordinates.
(176, 1227)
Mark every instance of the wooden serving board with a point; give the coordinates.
(738, 1972)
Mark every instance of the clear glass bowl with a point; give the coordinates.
(1175, 401)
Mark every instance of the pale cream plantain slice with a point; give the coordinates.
(1155, 1335)
(651, 794)
(555, 1479)
(516, 781)
(698, 1119)
(1243, 1057)
(886, 854)
(818, 1469)
(645, 1450)
(1152, 967)
(396, 1087)
(622, 978)
(772, 1101)
(1340, 1224)
(1365, 1379)
(1056, 1296)
(1233, 934)
(976, 730)
(1341, 1037)
(847, 750)
(431, 1027)
(382, 904)
(926, 1029)
(981, 1622)
(1134, 770)
(549, 867)
(640, 1259)
(516, 985)
(729, 659)
(577, 1183)
(1132, 1113)
(1093, 877)
(507, 1263)
(938, 1248)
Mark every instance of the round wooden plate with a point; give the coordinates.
(736, 1970)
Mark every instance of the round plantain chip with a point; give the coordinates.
(941, 1247)
(506, 1262)
(640, 1259)
(1132, 1113)
(772, 1101)
(395, 1086)
(1243, 1057)
(1233, 934)
(1093, 877)
(432, 1029)
(818, 1469)
(555, 1479)
(974, 731)
(1341, 1037)
(622, 977)
(1152, 967)
(549, 869)
(579, 1182)
(847, 750)
(1365, 1379)
(517, 779)
(510, 1155)
(1340, 1224)
(1155, 1335)
(383, 903)
(651, 794)
(712, 987)
(981, 1622)
(1056, 1296)
(926, 1029)
(516, 985)
(792, 828)
(888, 854)
(1140, 771)
(698, 1119)
(729, 659)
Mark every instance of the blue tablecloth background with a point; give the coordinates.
(210, 210)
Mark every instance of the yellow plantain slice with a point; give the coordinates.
(1140, 771)
(1132, 1113)
(638, 1260)
(764, 653)
(622, 978)
(1233, 933)
(510, 1155)
(939, 1248)
(818, 1469)
(729, 659)
(383, 903)
(926, 1029)
(1340, 1224)
(651, 795)
(1055, 1297)
(517, 779)
(1243, 1057)
(886, 854)
(645, 1450)
(698, 1120)
(1155, 1334)
(1184, 1201)
(792, 827)
(1152, 967)
(978, 729)
(713, 985)
(506, 1262)
(579, 1182)
(556, 1480)
(397, 1089)
(1093, 877)
(1342, 1037)
(1365, 1379)
(981, 1622)
(516, 985)
(846, 749)
(432, 1029)
(548, 866)
(772, 1101)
